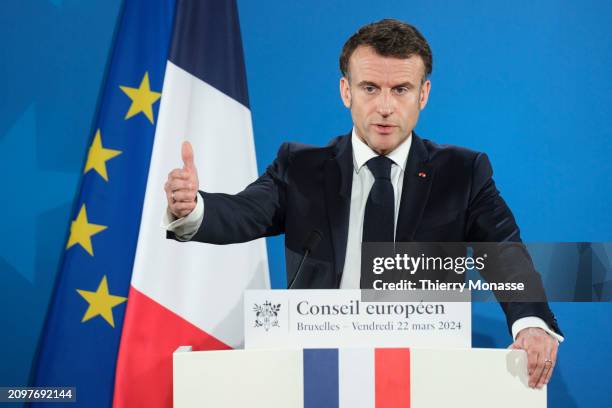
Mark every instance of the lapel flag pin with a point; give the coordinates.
(422, 174)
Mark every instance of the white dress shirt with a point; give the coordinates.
(184, 228)
(363, 180)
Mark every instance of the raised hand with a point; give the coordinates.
(182, 185)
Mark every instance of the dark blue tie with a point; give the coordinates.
(378, 225)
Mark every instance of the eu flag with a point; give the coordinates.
(79, 343)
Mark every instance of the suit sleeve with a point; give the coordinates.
(490, 220)
(489, 217)
(257, 211)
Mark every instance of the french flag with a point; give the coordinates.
(356, 378)
(191, 293)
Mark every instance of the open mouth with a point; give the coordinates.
(384, 129)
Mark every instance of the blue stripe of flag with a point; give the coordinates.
(219, 60)
(321, 378)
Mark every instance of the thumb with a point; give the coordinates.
(187, 155)
(515, 346)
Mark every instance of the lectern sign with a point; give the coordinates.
(345, 318)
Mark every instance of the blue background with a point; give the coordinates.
(526, 82)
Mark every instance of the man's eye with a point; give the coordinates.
(401, 90)
(369, 89)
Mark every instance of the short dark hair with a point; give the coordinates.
(389, 38)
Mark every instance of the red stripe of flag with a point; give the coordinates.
(151, 333)
(392, 377)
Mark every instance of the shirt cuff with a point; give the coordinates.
(185, 228)
(533, 321)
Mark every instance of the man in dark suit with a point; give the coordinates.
(380, 182)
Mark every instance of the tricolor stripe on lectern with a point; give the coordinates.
(392, 378)
(191, 293)
(343, 378)
(355, 384)
(321, 378)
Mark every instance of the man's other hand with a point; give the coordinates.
(182, 185)
(541, 350)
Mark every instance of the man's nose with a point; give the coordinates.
(385, 104)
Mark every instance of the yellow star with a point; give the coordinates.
(101, 302)
(81, 231)
(98, 155)
(142, 99)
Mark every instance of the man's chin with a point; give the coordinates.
(384, 144)
(383, 149)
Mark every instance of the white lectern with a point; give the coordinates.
(392, 354)
(475, 378)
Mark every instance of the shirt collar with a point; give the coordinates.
(362, 152)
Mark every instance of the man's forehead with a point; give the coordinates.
(366, 64)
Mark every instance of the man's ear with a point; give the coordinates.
(424, 96)
(345, 92)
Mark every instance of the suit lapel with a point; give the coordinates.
(338, 185)
(415, 190)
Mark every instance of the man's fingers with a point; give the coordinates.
(181, 209)
(178, 184)
(183, 196)
(184, 208)
(179, 173)
(553, 358)
(182, 185)
(187, 155)
(532, 361)
(540, 371)
(548, 366)
(541, 351)
(532, 367)
(536, 369)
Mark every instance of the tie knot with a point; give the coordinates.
(380, 166)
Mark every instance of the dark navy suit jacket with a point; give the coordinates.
(308, 188)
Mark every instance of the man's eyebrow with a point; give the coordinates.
(406, 84)
(368, 83)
